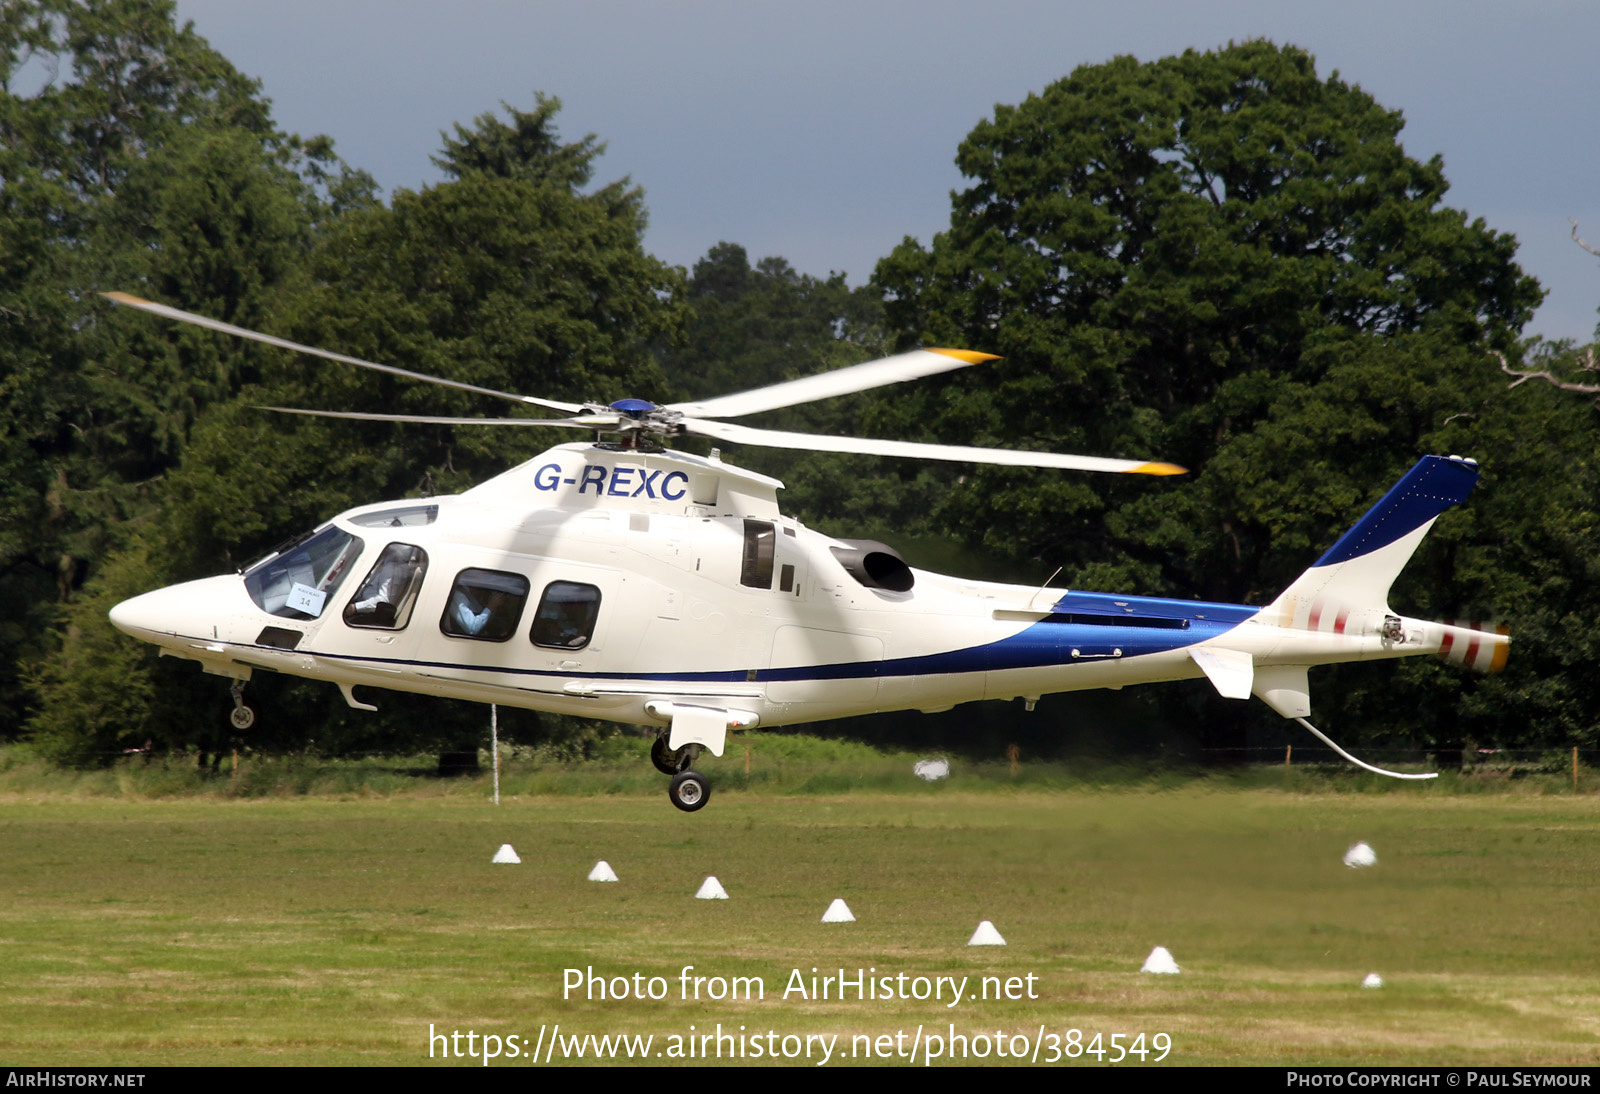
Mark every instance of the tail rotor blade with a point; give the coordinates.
(1475, 644)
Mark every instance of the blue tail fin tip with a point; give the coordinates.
(1435, 484)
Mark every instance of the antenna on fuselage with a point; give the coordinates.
(1045, 586)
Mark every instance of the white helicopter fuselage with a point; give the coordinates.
(665, 588)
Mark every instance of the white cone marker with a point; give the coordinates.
(1360, 855)
(505, 854)
(1373, 980)
(986, 935)
(602, 872)
(711, 889)
(1160, 961)
(838, 912)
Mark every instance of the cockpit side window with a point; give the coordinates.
(297, 582)
(386, 597)
(485, 604)
(566, 616)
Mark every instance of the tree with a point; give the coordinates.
(1561, 361)
(131, 154)
(1220, 259)
(527, 147)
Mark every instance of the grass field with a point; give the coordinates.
(152, 917)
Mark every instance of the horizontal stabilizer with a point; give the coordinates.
(1230, 671)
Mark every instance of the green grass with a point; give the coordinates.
(782, 764)
(153, 916)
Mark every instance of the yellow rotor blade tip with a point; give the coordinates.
(1159, 469)
(970, 356)
(1502, 653)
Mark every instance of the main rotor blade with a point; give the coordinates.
(841, 381)
(128, 300)
(425, 419)
(816, 442)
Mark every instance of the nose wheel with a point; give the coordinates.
(241, 716)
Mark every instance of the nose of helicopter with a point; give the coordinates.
(193, 608)
(145, 615)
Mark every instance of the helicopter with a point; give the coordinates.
(619, 579)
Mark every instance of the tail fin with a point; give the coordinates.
(1355, 574)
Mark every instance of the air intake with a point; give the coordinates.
(875, 565)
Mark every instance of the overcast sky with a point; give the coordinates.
(825, 132)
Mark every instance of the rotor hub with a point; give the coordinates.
(634, 408)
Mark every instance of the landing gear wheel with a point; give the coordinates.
(241, 716)
(668, 761)
(689, 791)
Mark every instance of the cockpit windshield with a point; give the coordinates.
(297, 582)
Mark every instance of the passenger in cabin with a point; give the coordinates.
(379, 597)
(566, 615)
(472, 615)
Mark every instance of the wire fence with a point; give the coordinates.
(1548, 760)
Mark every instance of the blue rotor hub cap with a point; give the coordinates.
(634, 408)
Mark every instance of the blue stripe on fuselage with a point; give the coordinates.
(1043, 644)
(1050, 641)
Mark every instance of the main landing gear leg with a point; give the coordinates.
(241, 716)
(668, 761)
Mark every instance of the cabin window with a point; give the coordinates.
(386, 597)
(759, 540)
(485, 604)
(566, 615)
(297, 581)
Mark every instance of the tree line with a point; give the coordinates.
(1221, 258)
